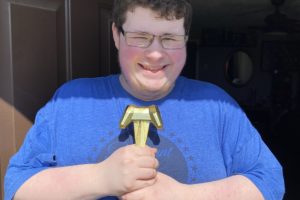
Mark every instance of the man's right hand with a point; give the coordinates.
(130, 168)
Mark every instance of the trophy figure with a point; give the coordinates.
(141, 118)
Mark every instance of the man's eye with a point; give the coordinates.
(169, 39)
(140, 38)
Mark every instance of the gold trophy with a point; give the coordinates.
(141, 118)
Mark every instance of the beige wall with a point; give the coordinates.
(7, 146)
(29, 69)
(38, 54)
(13, 125)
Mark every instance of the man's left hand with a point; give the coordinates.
(165, 188)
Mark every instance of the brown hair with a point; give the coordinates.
(168, 9)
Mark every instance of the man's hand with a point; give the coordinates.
(130, 168)
(165, 188)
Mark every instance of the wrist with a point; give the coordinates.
(106, 182)
(191, 192)
(183, 192)
(97, 176)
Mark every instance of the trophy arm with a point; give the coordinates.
(127, 117)
(155, 117)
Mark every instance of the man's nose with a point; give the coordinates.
(155, 50)
(155, 55)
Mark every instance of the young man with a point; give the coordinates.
(207, 149)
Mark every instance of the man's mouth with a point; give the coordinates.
(152, 69)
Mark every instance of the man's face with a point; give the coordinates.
(149, 73)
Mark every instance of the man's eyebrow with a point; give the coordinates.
(171, 34)
(163, 34)
(142, 32)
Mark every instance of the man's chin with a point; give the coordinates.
(156, 91)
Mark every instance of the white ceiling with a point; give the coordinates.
(238, 13)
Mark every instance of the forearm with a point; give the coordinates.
(74, 182)
(235, 187)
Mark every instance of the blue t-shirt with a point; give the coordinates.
(205, 136)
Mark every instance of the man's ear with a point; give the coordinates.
(116, 35)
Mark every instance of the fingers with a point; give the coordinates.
(147, 162)
(130, 168)
(138, 179)
(146, 174)
(139, 185)
(137, 172)
(142, 157)
(140, 167)
(142, 151)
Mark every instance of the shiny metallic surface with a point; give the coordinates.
(141, 118)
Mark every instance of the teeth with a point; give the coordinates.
(152, 70)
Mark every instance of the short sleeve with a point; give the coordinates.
(255, 161)
(247, 154)
(35, 155)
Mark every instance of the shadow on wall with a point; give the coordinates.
(13, 128)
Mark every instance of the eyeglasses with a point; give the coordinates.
(144, 40)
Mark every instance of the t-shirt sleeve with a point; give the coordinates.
(35, 155)
(255, 161)
(247, 154)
